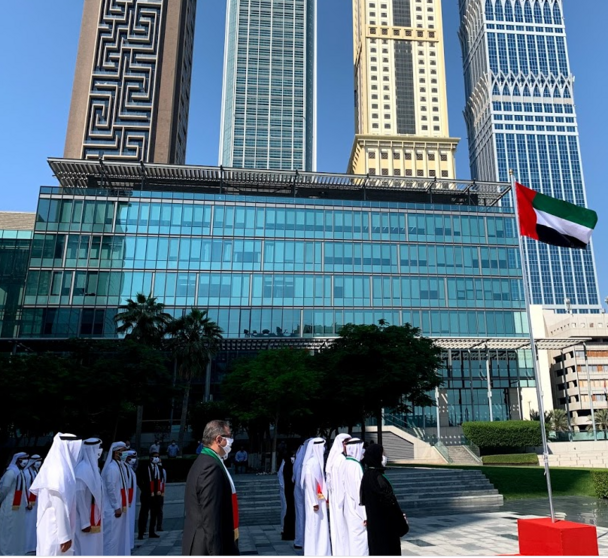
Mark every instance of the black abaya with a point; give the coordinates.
(384, 516)
(289, 523)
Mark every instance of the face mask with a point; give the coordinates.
(21, 463)
(99, 452)
(37, 465)
(293, 460)
(156, 460)
(228, 446)
(384, 460)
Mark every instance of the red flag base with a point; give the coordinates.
(542, 537)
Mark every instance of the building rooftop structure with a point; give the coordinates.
(79, 174)
(17, 221)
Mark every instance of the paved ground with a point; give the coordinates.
(453, 535)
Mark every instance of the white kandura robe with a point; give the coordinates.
(298, 495)
(12, 522)
(116, 541)
(91, 543)
(54, 522)
(316, 528)
(351, 474)
(337, 525)
(31, 515)
(131, 504)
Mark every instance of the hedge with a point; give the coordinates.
(600, 482)
(510, 459)
(508, 434)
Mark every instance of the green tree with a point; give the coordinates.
(195, 338)
(90, 390)
(390, 366)
(274, 386)
(143, 320)
(601, 421)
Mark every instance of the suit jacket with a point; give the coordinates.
(208, 527)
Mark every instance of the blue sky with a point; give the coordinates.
(38, 47)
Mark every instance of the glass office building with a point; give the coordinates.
(16, 232)
(283, 260)
(521, 115)
(268, 118)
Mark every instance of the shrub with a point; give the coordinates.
(510, 434)
(600, 482)
(510, 459)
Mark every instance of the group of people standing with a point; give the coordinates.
(344, 506)
(67, 506)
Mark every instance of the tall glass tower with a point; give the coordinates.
(269, 90)
(520, 115)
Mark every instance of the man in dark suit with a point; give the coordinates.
(211, 525)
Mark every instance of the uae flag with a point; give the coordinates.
(554, 221)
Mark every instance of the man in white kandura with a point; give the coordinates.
(298, 495)
(351, 473)
(55, 487)
(337, 527)
(131, 462)
(116, 541)
(316, 533)
(31, 516)
(13, 504)
(88, 536)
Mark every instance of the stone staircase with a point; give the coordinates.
(420, 491)
(460, 455)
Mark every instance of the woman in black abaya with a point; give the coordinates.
(386, 523)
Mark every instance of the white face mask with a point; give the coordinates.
(156, 460)
(384, 460)
(22, 463)
(99, 452)
(293, 460)
(37, 465)
(228, 446)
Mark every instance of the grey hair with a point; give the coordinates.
(213, 429)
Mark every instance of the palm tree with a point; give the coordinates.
(145, 321)
(195, 339)
(558, 420)
(601, 420)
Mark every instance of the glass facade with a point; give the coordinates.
(521, 115)
(269, 100)
(286, 268)
(14, 258)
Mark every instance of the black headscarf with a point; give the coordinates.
(373, 457)
(371, 484)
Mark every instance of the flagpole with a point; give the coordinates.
(539, 388)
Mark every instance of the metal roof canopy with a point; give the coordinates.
(506, 343)
(82, 174)
(456, 343)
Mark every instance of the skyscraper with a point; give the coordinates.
(401, 111)
(520, 115)
(269, 92)
(131, 90)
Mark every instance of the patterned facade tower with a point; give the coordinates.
(401, 111)
(269, 92)
(131, 90)
(520, 115)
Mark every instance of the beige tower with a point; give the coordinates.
(401, 112)
(131, 91)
